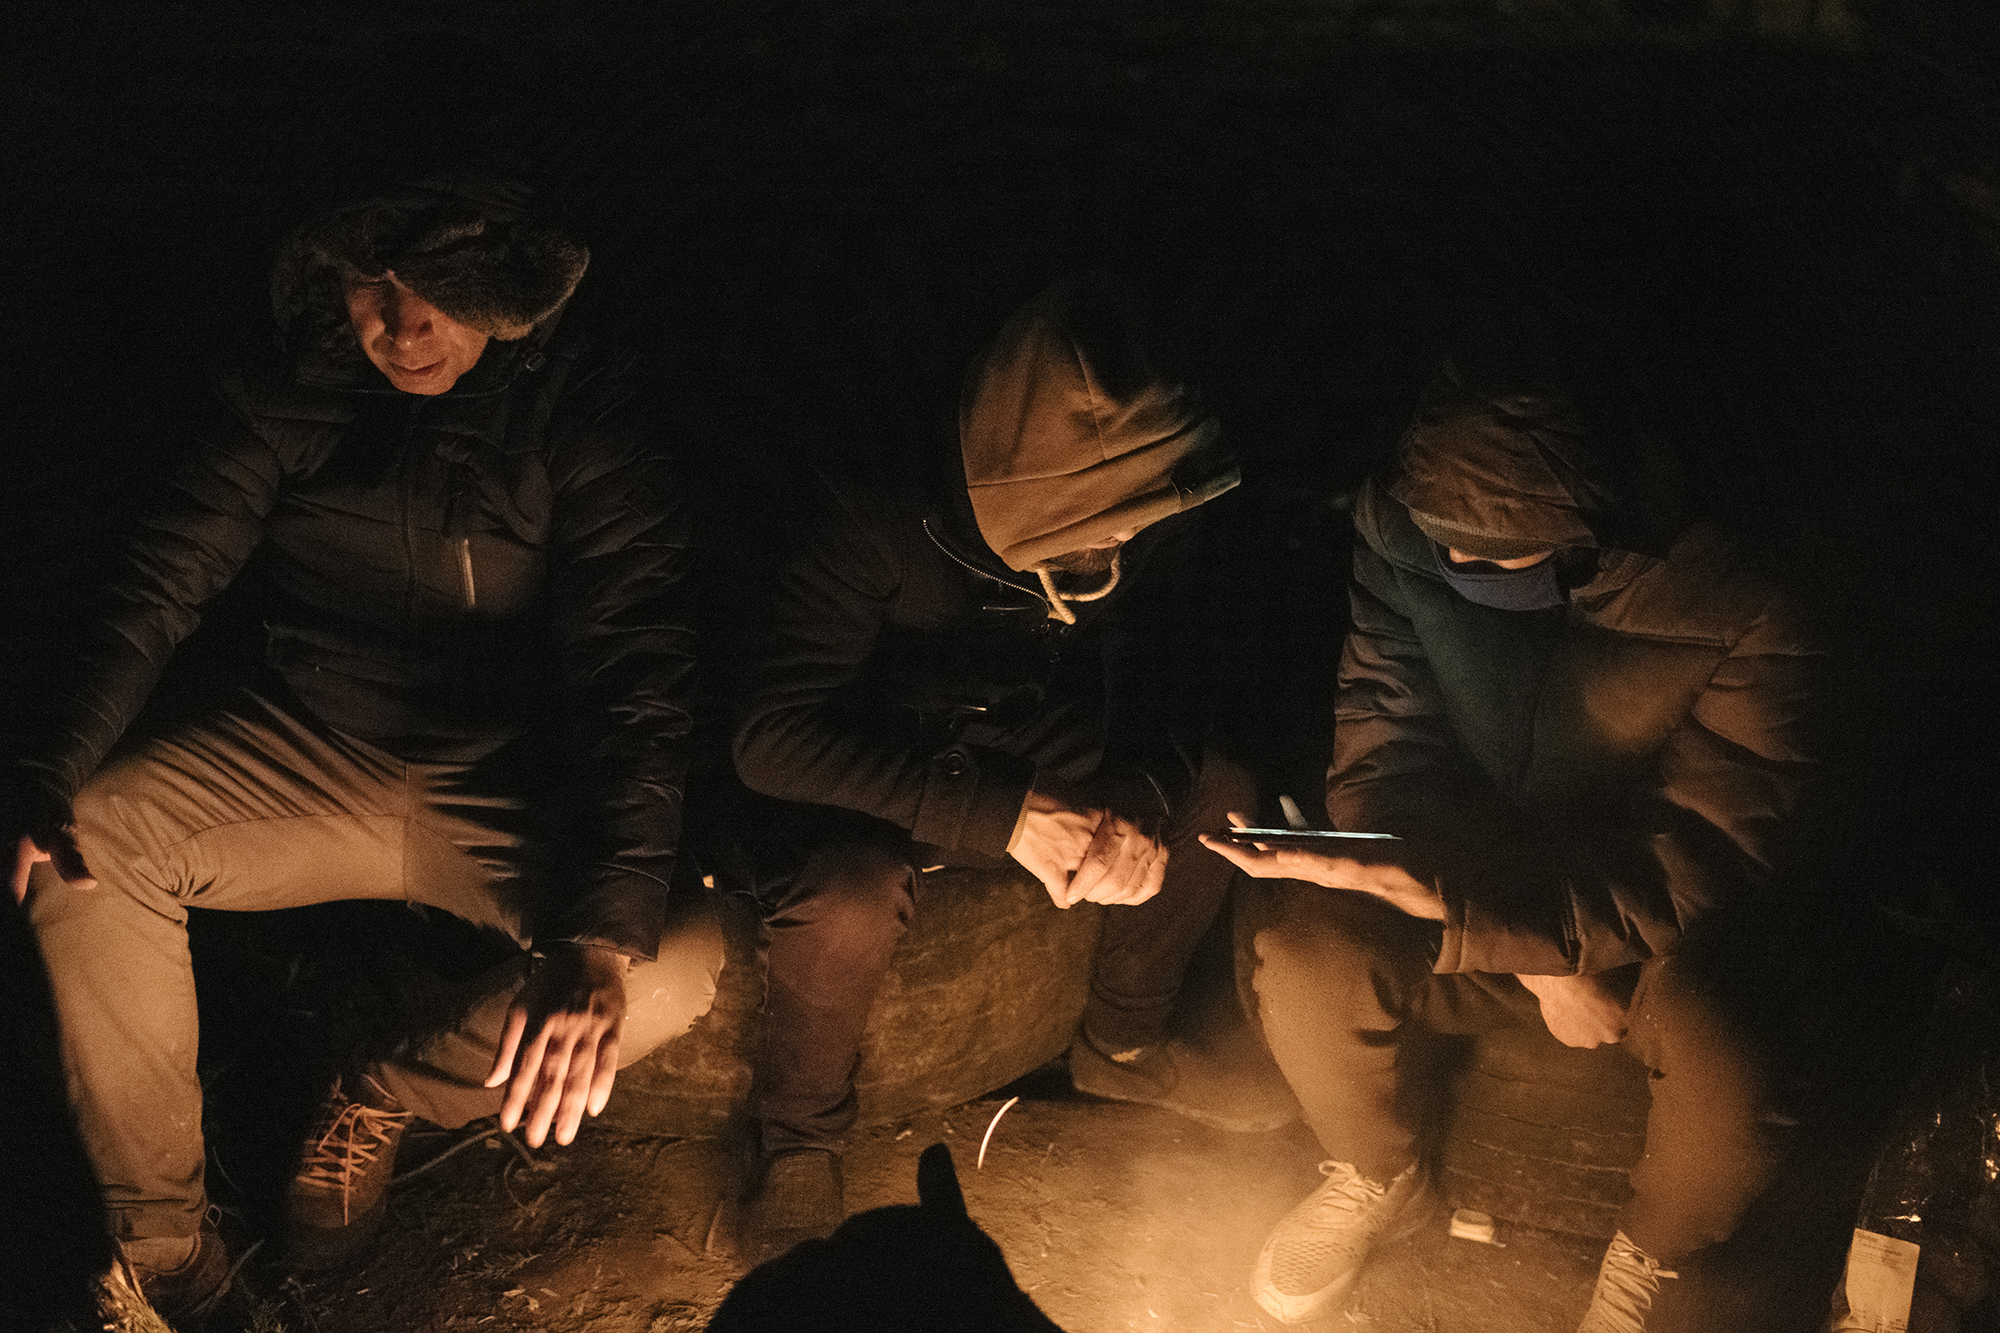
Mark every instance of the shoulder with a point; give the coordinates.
(1702, 592)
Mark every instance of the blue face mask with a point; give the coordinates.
(1536, 588)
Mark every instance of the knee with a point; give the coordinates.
(1310, 942)
(665, 997)
(1222, 786)
(851, 892)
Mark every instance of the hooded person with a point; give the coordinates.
(1002, 663)
(474, 696)
(1589, 723)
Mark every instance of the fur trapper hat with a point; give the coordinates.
(464, 243)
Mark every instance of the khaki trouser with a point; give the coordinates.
(253, 809)
(1343, 982)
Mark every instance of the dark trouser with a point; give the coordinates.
(253, 809)
(833, 930)
(1343, 985)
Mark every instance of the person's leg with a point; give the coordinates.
(1334, 980)
(1143, 954)
(247, 810)
(1712, 1139)
(1345, 993)
(830, 939)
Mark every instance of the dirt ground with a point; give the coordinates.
(1112, 1217)
(810, 213)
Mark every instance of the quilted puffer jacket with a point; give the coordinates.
(451, 572)
(1590, 782)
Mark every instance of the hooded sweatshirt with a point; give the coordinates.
(1591, 782)
(448, 573)
(912, 620)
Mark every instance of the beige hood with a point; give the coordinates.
(1070, 435)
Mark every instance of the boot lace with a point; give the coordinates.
(348, 1143)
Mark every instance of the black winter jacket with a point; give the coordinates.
(451, 572)
(894, 626)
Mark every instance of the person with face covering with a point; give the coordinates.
(475, 698)
(996, 662)
(1588, 723)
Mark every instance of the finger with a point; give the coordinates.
(606, 1075)
(577, 1082)
(1155, 877)
(1250, 860)
(25, 856)
(527, 1072)
(551, 1084)
(1058, 887)
(510, 1042)
(1099, 873)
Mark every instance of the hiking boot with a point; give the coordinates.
(183, 1283)
(341, 1190)
(798, 1197)
(1180, 1078)
(1627, 1282)
(1311, 1258)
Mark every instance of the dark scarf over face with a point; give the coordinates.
(1535, 588)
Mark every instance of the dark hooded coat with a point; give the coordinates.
(898, 623)
(449, 572)
(1593, 781)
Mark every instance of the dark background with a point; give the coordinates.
(1772, 227)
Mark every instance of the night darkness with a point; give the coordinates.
(1786, 255)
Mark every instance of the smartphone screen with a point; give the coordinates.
(1290, 837)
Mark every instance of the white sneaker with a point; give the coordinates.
(1627, 1281)
(1311, 1258)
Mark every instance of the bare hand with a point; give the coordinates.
(1381, 879)
(1051, 841)
(1579, 1010)
(1123, 867)
(57, 844)
(564, 1027)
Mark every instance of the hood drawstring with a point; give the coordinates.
(1059, 602)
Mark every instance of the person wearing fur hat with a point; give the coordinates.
(476, 697)
(1589, 723)
(999, 660)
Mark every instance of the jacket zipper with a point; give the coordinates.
(455, 524)
(1036, 593)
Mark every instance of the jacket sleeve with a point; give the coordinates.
(794, 738)
(621, 613)
(1626, 880)
(185, 549)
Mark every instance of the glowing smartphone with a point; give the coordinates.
(1322, 839)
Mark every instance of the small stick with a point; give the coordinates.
(992, 1125)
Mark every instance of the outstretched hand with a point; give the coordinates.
(559, 1053)
(1381, 879)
